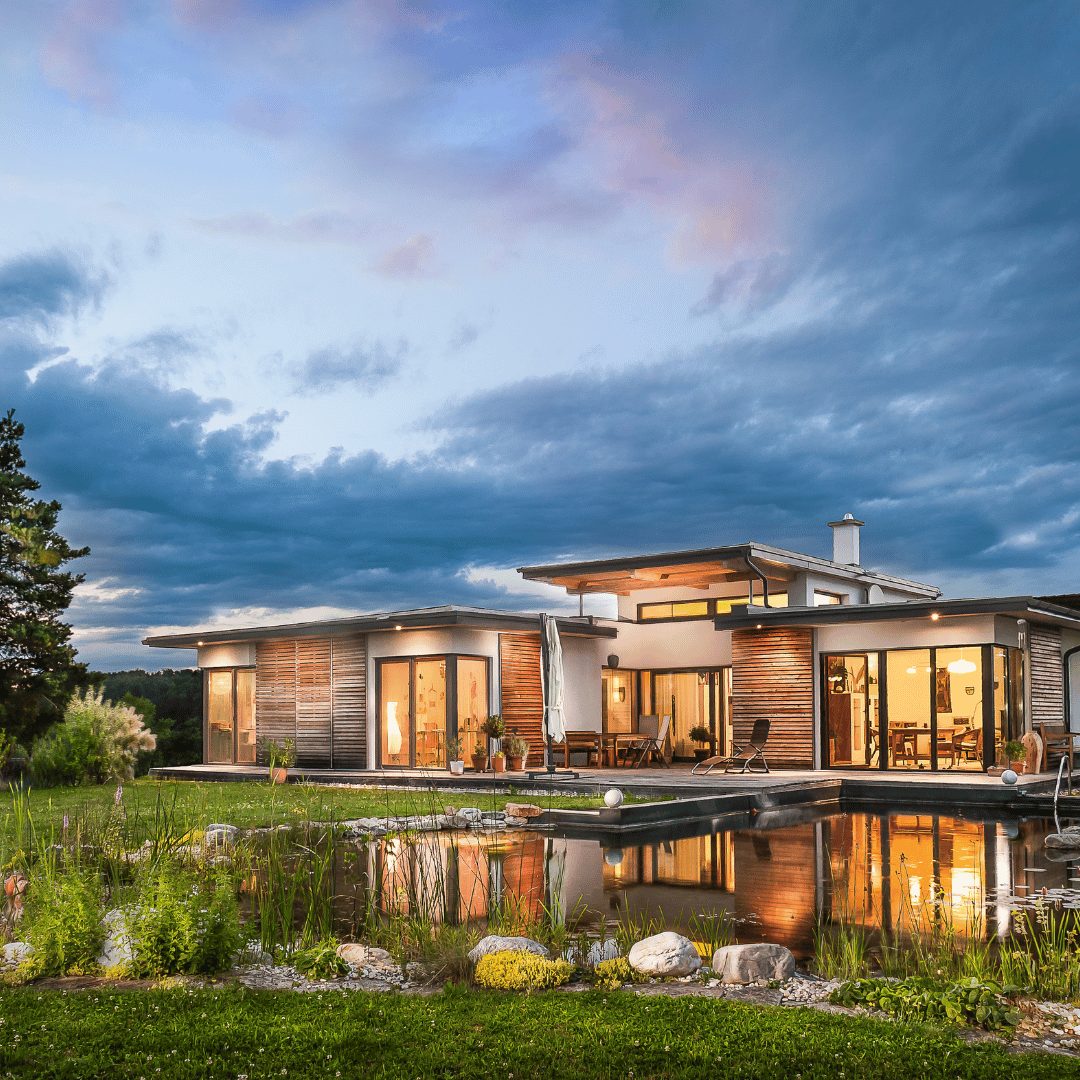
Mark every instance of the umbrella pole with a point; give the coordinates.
(549, 770)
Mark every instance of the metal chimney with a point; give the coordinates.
(845, 540)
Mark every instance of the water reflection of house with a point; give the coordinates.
(460, 879)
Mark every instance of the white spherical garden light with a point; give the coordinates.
(613, 797)
(1009, 777)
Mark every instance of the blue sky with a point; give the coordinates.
(336, 305)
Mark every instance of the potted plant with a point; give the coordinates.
(702, 736)
(494, 728)
(279, 757)
(1014, 751)
(498, 761)
(479, 758)
(517, 750)
(454, 748)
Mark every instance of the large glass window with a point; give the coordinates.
(704, 609)
(619, 701)
(472, 703)
(851, 695)
(424, 701)
(908, 679)
(931, 703)
(230, 716)
(958, 685)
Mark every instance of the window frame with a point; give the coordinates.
(232, 669)
(711, 608)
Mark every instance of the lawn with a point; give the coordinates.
(195, 804)
(233, 1033)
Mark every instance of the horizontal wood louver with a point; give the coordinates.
(275, 690)
(772, 677)
(522, 697)
(1047, 675)
(348, 679)
(313, 701)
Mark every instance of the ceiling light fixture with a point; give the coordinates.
(960, 666)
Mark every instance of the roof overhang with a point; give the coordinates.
(386, 622)
(1032, 608)
(701, 568)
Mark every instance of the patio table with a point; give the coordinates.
(614, 741)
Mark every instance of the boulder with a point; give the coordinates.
(470, 814)
(219, 835)
(522, 810)
(1069, 838)
(116, 949)
(666, 954)
(602, 950)
(493, 943)
(740, 965)
(15, 952)
(515, 822)
(365, 956)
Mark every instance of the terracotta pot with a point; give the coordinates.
(279, 776)
(1017, 767)
(516, 762)
(479, 761)
(499, 764)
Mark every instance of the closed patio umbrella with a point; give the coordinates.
(554, 724)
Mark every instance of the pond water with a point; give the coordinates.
(774, 876)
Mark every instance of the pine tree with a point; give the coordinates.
(38, 670)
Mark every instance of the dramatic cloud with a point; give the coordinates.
(365, 366)
(38, 288)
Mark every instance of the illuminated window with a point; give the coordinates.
(703, 609)
(825, 599)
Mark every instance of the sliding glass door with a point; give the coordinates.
(425, 700)
(693, 699)
(230, 716)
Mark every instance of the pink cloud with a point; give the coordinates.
(410, 260)
(71, 56)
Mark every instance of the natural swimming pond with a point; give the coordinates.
(775, 878)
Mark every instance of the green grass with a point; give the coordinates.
(231, 1033)
(195, 804)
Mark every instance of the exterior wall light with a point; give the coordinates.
(398, 627)
(934, 616)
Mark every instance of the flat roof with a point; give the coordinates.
(1032, 608)
(385, 622)
(697, 566)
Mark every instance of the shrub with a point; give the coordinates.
(611, 974)
(183, 922)
(521, 971)
(967, 1001)
(64, 914)
(96, 741)
(320, 961)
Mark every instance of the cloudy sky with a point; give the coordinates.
(340, 305)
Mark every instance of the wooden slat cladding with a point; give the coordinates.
(314, 690)
(1047, 675)
(772, 676)
(348, 681)
(313, 701)
(522, 705)
(275, 690)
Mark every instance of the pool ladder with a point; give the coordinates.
(1057, 789)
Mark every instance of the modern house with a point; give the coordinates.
(851, 667)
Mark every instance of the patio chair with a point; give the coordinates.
(651, 746)
(742, 758)
(1057, 743)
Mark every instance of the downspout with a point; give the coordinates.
(756, 570)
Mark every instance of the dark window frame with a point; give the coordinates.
(450, 659)
(232, 669)
(986, 654)
(711, 608)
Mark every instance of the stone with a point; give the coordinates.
(515, 822)
(740, 965)
(667, 954)
(219, 835)
(116, 949)
(522, 810)
(493, 943)
(470, 814)
(358, 955)
(15, 884)
(602, 950)
(15, 952)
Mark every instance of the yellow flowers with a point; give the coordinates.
(520, 971)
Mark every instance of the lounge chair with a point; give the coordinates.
(742, 758)
(1057, 743)
(651, 746)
